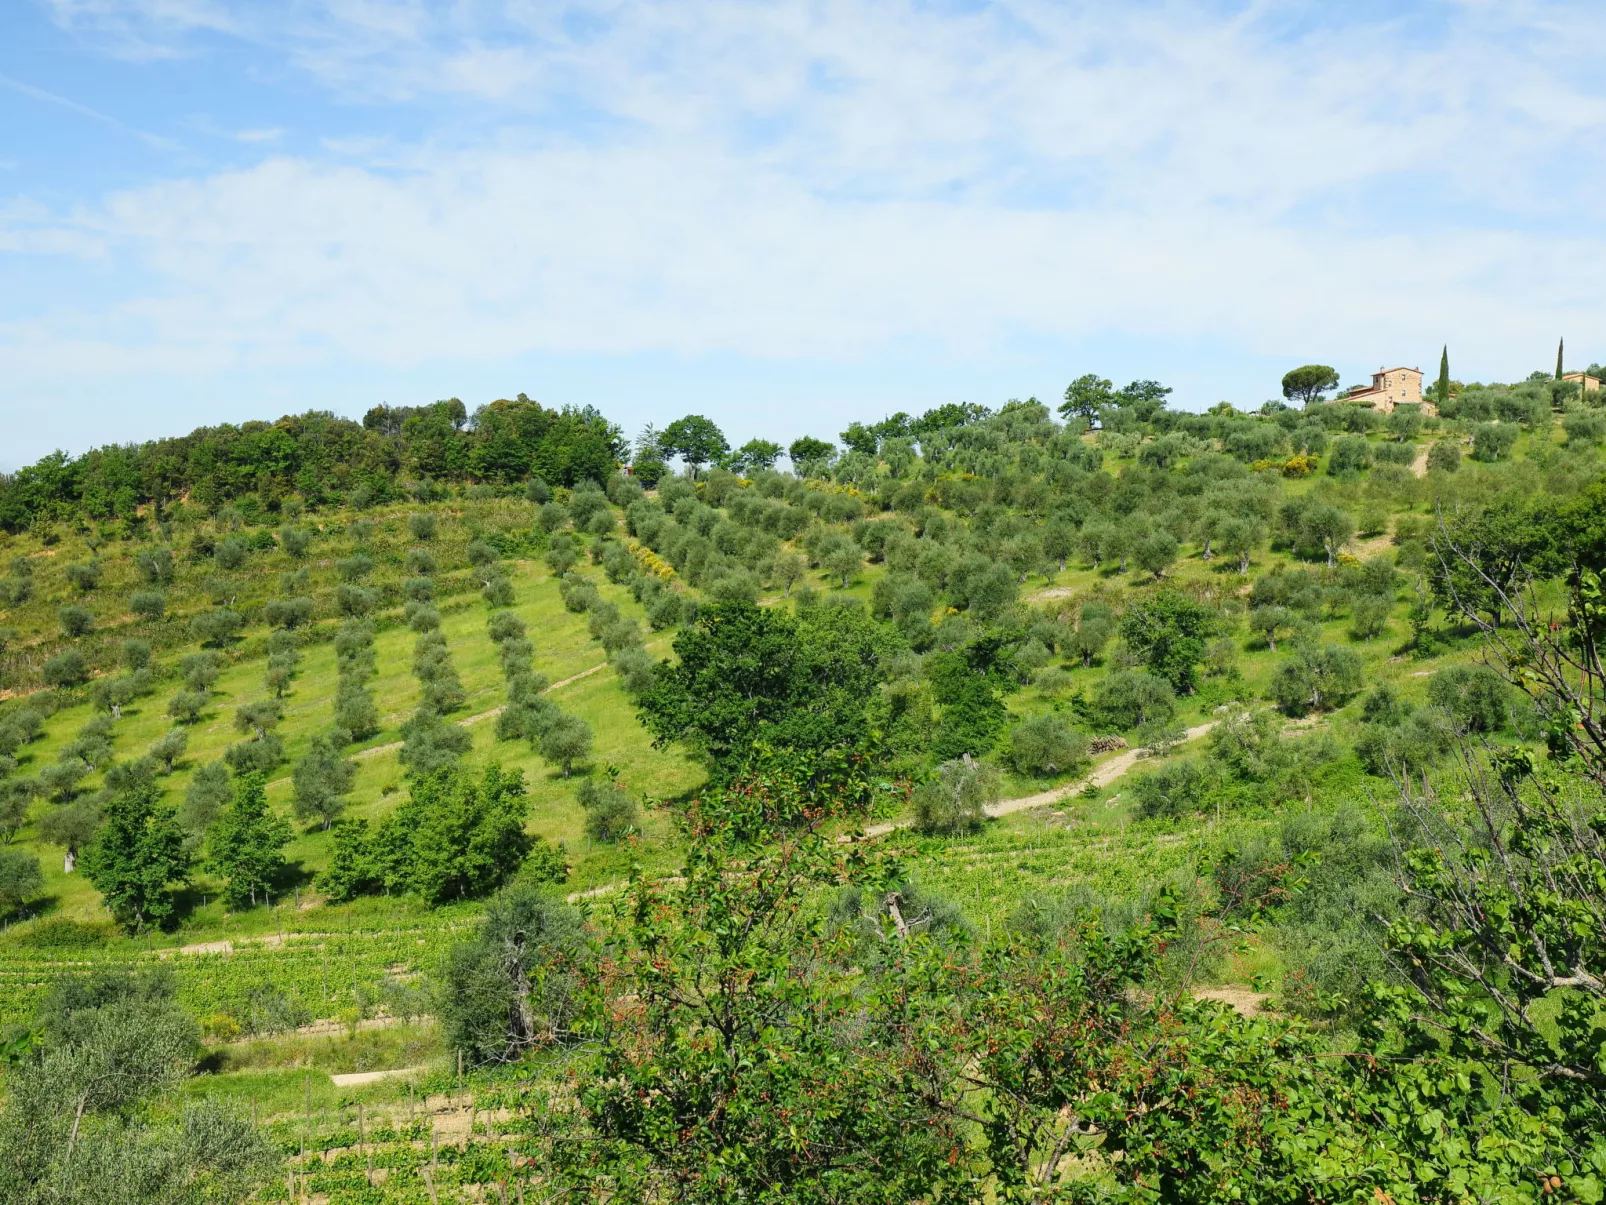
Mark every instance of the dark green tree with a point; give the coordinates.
(139, 858)
(1086, 395)
(1167, 632)
(1442, 389)
(747, 677)
(246, 844)
(456, 836)
(695, 439)
(1306, 384)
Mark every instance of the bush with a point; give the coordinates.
(218, 627)
(1054, 681)
(423, 526)
(356, 602)
(187, 706)
(84, 576)
(1128, 698)
(148, 604)
(230, 553)
(610, 811)
(566, 742)
(1444, 457)
(954, 798)
(75, 620)
(1046, 745)
(256, 756)
(1493, 441)
(1475, 695)
(1316, 678)
(1173, 790)
(20, 878)
(635, 667)
(66, 669)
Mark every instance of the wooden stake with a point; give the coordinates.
(429, 1183)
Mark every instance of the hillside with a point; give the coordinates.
(1252, 624)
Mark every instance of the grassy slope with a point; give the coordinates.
(1083, 843)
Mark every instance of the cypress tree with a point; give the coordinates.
(1559, 343)
(1444, 375)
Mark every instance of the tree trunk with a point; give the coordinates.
(70, 862)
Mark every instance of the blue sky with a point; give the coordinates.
(783, 214)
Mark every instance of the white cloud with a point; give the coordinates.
(268, 135)
(829, 179)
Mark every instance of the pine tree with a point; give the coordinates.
(1444, 375)
(139, 858)
(247, 843)
(1559, 343)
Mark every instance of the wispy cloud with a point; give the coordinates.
(51, 98)
(831, 178)
(269, 135)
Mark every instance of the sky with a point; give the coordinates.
(783, 215)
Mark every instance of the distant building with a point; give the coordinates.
(1586, 382)
(1392, 387)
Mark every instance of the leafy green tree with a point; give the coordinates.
(75, 620)
(1316, 678)
(1307, 384)
(1167, 632)
(1044, 745)
(1442, 387)
(1086, 396)
(566, 741)
(1493, 441)
(20, 878)
(861, 439)
(456, 836)
(809, 455)
(516, 987)
(843, 562)
(955, 796)
(217, 627)
(247, 843)
(695, 439)
(139, 859)
(1156, 553)
(148, 604)
(322, 781)
(1174, 789)
(1128, 699)
(610, 811)
(80, 1126)
(747, 678)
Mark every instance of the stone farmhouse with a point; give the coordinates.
(1583, 380)
(1393, 387)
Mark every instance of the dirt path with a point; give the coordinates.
(1419, 466)
(1101, 775)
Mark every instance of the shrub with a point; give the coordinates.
(148, 604)
(187, 705)
(1172, 790)
(954, 798)
(218, 627)
(1129, 698)
(75, 620)
(422, 525)
(1045, 745)
(567, 742)
(84, 576)
(1475, 695)
(66, 669)
(610, 811)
